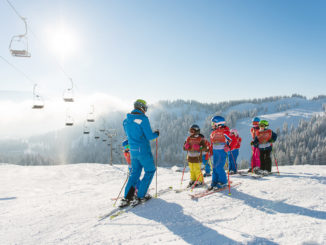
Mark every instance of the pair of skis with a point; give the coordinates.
(121, 210)
(207, 192)
(256, 175)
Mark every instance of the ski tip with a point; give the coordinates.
(229, 194)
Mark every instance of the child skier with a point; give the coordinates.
(255, 157)
(263, 140)
(220, 140)
(126, 153)
(195, 144)
(234, 151)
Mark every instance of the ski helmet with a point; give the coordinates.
(255, 121)
(264, 123)
(196, 128)
(140, 104)
(125, 144)
(234, 131)
(218, 121)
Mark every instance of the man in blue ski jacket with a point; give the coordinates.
(139, 133)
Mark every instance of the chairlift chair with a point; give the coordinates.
(86, 130)
(90, 117)
(69, 121)
(18, 46)
(104, 140)
(96, 137)
(38, 102)
(68, 94)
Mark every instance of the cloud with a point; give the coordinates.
(19, 120)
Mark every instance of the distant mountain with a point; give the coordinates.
(173, 118)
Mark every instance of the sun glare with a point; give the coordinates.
(62, 41)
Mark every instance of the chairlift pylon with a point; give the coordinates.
(18, 46)
(38, 102)
(68, 94)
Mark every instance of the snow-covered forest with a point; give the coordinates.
(298, 121)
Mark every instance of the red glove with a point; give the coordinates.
(187, 146)
(207, 156)
(196, 147)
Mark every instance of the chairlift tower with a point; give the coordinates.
(111, 133)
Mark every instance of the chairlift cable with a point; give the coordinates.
(24, 19)
(18, 70)
(15, 10)
(54, 58)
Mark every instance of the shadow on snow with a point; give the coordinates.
(7, 198)
(185, 226)
(273, 207)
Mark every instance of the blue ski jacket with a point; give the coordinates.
(139, 133)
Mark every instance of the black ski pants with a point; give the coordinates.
(265, 159)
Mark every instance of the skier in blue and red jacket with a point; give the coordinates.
(220, 140)
(234, 151)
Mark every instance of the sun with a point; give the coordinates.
(62, 41)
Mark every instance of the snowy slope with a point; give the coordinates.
(62, 204)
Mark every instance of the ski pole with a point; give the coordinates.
(201, 174)
(252, 159)
(156, 170)
(210, 163)
(227, 160)
(278, 172)
(183, 172)
(122, 188)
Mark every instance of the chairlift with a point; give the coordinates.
(68, 94)
(96, 137)
(86, 129)
(69, 120)
(38, 102)
(104, 140)
(18, 46)
(90, 117)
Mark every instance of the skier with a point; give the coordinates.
(139, 133)
(220, 140)
(255, 157)
(263, 140)
(195, 144)
(126, 153)
(234, 151)
(205, 160)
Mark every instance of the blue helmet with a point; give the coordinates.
(125, 143)
(255, 121)
(218, 120)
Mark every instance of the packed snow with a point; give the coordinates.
(62, 205)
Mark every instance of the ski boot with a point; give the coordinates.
(190, 183)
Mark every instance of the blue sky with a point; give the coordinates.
(209, 51)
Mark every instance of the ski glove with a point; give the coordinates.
(196, 147)
(187, 146)
(157, 132)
